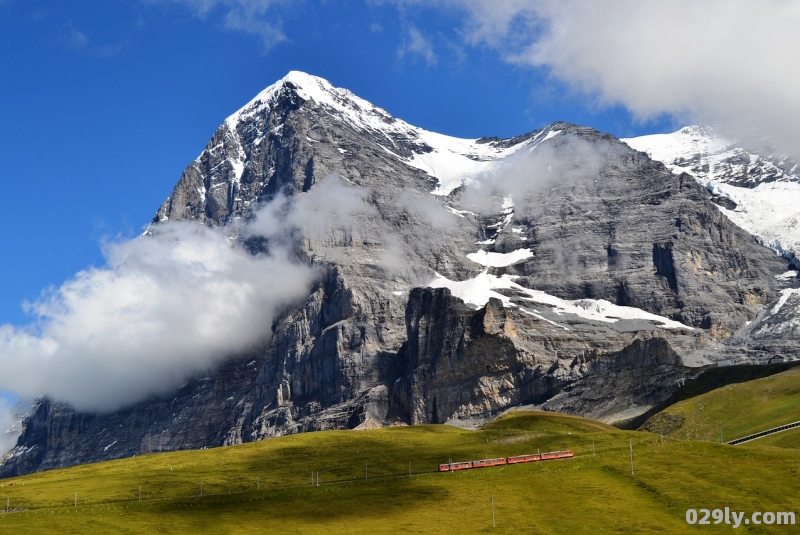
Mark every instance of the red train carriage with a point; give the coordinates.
(486, 463)
(524, 459)
(557, 455)
(500, 461)
(453, 467)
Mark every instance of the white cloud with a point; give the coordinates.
(177, 301)
(336, 218)
(416, 43)
(76, 39)
(728, 62)
(327, 215)
(167, 306)
(255, 17)
(533, 171)
(10, 425)
(80, 42)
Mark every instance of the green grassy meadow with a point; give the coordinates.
(742, 409)
(364, 486)
(710, 379)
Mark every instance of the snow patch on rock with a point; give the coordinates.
(477, 292)
(499, 259)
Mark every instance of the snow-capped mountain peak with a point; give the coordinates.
(759, 193)
(701, 151)
(450, 160)
(308, 87)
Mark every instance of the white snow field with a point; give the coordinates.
(477, 292)
(770, 210)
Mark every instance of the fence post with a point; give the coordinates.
(631, 444)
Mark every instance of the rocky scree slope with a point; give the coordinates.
(591, 288)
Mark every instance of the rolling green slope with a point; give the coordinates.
(742, 409)
(710, 379)
(785, 439)
(265, 487)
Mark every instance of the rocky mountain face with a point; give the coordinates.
(457, 278)
(760, 193)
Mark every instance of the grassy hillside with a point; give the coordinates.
(364, 486)
(710, 379)
(786, 439)
(742, 409)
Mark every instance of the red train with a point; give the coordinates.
(485, 463)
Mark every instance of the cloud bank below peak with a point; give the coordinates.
(179, 300)
(166, 307)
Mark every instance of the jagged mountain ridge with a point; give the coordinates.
(590, 295)
(234, 157)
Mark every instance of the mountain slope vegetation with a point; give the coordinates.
(740, 409)
(364, 486)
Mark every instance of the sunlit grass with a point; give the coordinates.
(365, 487)
(741, 409)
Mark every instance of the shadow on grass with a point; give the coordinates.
(359, 500)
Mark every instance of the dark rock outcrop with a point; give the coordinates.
(462, 362)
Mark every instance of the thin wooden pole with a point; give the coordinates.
(492, 510)
(631, 444)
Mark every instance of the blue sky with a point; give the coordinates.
(104, 103)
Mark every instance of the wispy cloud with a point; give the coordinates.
(256, 17)
(415, 43)
(179, 300)
(167, 306)
(10, 425)
(721, 61)
(76, 39)
(80, 42)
